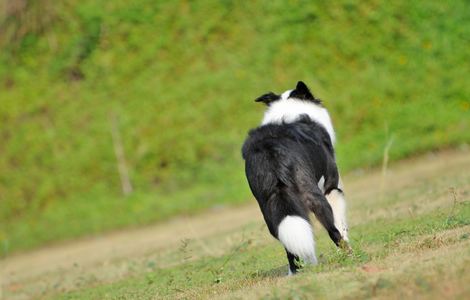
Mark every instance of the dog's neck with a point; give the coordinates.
(288, 110)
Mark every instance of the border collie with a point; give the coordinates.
(291, 169)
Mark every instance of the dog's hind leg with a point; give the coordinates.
(295, 263)
(313, 197)
(332, 187)
(338, 204)
(319, 205)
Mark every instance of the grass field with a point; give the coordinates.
(411, 239)
(176, 80)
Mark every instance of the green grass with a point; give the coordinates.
(412, 242)
(181, 77)
(247, 265)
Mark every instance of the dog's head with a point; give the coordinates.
(301, 92)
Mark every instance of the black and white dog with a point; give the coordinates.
(291, 169)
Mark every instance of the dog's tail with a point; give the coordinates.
(296, 235)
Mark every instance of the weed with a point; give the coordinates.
(183, 249)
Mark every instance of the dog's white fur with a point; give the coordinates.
(338, 205)
(296, 235)
(288, 110)
(321, 184)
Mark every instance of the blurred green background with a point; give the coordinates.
(174, 81)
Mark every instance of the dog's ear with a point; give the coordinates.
(268, 98)
(302, 92)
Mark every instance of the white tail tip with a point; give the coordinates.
(296, 234)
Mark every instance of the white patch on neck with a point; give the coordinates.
(289, 110)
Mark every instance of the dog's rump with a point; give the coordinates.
(272, 151)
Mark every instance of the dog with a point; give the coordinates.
(291, 170)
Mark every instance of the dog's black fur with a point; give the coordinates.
(283, 164)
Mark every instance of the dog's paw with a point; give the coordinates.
(344, 245)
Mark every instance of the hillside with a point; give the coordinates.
(176, 81)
